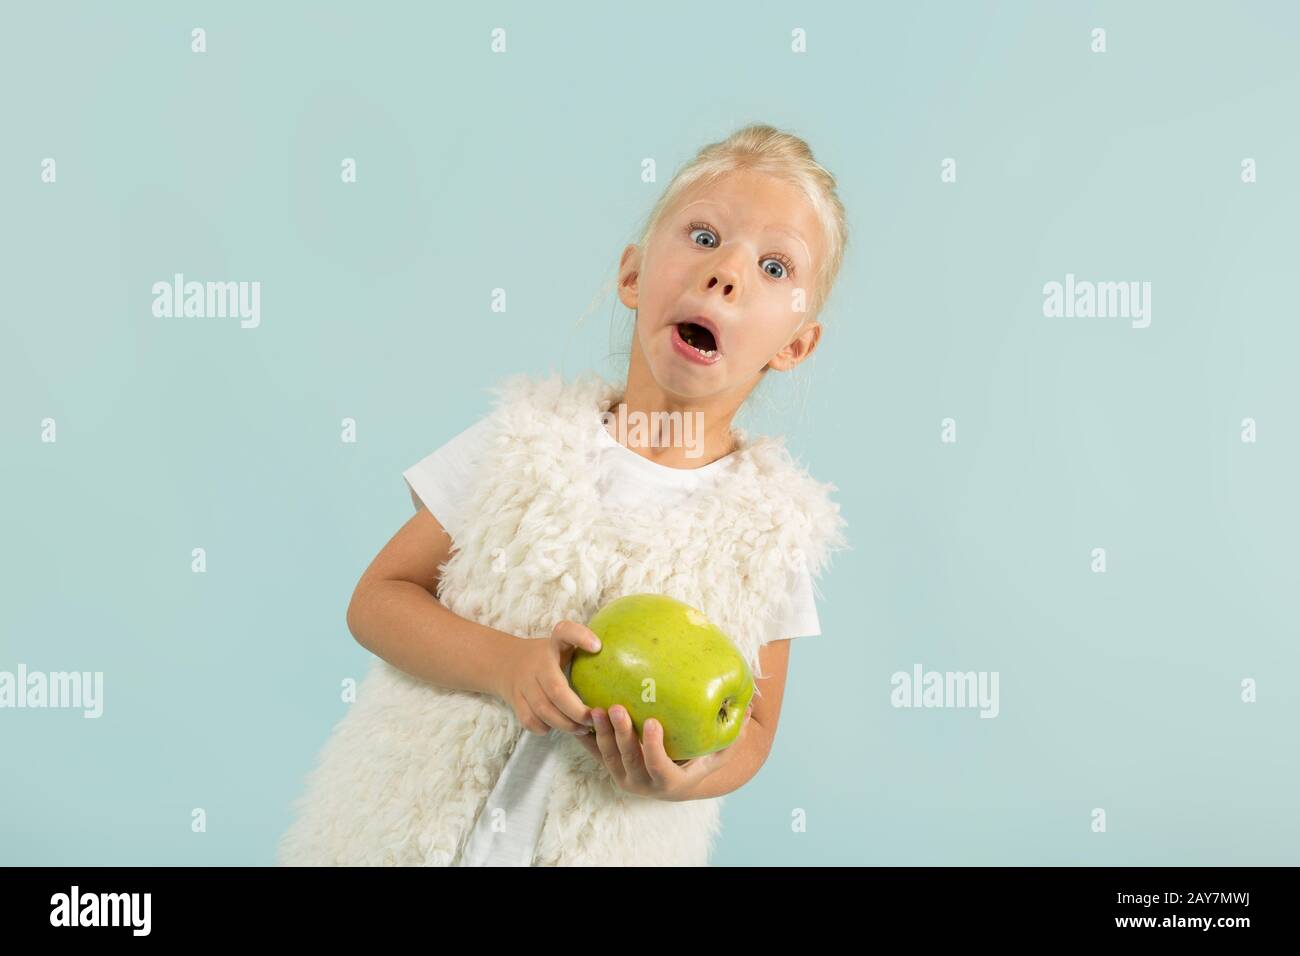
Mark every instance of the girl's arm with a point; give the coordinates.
(394, 615)
(744, 758)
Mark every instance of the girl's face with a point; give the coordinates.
(738, 257)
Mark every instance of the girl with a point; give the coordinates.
(466, 745)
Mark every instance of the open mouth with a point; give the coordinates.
(698, 338)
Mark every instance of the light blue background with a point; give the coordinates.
(1118, 690)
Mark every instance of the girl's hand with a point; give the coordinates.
(645, 768)
(534, 683)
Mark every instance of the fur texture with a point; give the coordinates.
(405, 773)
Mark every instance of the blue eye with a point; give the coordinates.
(787, 267)
(696, 229)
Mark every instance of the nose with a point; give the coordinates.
(722, 275)
(726, 283)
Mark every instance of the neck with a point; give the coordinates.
(669, 430)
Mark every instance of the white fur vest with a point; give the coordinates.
(407, 770)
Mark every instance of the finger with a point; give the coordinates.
(535, 725)
(659, 766)
(702, 766)
(628, 744)
(544, 709)
(588, 742)
(572, 634)
(607, 744)
(566, 700)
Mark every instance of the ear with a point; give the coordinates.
(797, 349)
(629, 272)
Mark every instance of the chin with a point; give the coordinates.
(680, 386)
(682, 382)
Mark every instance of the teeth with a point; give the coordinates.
(707, 353)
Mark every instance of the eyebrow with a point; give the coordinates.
(773, 228)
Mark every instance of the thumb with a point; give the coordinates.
(569, 635)
(703, 766)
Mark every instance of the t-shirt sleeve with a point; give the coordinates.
(803, 620)
(444, 479)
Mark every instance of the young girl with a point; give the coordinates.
(466, 745)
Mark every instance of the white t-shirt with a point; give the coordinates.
(442, 482)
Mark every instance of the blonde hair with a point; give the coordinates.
(765, 149)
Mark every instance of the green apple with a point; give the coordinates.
(664, 659)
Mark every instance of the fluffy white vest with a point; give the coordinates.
(407, 770)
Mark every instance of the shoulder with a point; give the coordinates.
(464, 447)
(803, 510)
(552, 395)
(546, 416)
